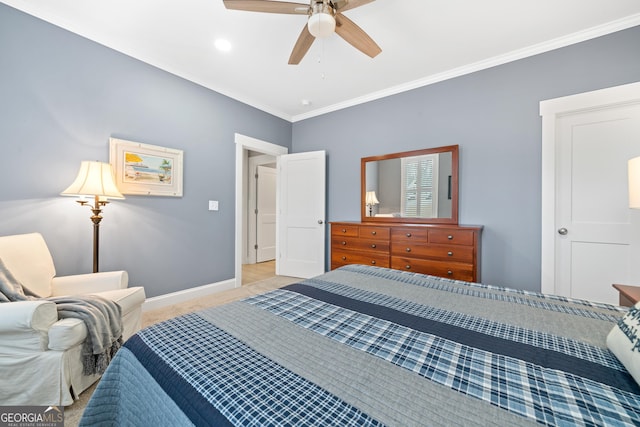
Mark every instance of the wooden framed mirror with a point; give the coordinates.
(419, 186)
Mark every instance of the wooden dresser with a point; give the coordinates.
(451, 251)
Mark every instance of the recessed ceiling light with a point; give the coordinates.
(305, 103)
(222, 45)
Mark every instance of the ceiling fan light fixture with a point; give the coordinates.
(321, 24)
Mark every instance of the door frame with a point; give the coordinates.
(244, 144)
(551, 110)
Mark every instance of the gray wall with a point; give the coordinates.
(493, 116)
(61, 98)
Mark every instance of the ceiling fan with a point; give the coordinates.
(325, 17)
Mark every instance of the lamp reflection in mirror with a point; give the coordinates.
(94, 179)
(371, 200)
(634, 183)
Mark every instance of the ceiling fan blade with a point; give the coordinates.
(304, 42)
(356, 36)
(268, 6)
(342, 5)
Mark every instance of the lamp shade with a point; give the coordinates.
(94, 179)
(371, 199)
(634, 183)
(321, 24)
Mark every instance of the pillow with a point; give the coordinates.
(624, 341)
(10, 288)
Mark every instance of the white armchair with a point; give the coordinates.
(40, 356)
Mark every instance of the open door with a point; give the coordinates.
(301, 214)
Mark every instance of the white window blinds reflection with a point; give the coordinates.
(419, 186)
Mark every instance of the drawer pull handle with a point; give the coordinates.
(344, 230)
(373, 246)
(450, 253)
(344, 258)
(408, 249)
(374, 232)
(373, 262)
(408, 267)
(344, 243)
(449, 272)
(450, 237)
(408, 234)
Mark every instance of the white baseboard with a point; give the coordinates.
(185, 295)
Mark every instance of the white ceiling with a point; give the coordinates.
(422, 41)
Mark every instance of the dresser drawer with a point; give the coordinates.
(355, 244)
(442, 252)
(367, 232)
(341, 257)
(452, 237)
(410, 234)
(451, 270)
(344, 230)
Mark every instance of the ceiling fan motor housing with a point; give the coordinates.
(321, 22)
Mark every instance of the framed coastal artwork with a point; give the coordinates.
(145, 169)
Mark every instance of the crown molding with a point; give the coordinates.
(588, 34)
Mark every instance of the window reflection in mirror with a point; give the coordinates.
(415, 186)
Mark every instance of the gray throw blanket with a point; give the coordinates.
(10, 288)
(101, 316)
(103, 320)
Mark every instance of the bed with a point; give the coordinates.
(367, 346)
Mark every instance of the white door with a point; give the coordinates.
(595, 234)
(301, 219)
(266, 214)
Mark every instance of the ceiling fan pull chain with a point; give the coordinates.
(321, 60)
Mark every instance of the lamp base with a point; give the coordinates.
(96, 209)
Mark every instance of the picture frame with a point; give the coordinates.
(146, 170)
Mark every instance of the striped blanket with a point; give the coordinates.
(367, 346)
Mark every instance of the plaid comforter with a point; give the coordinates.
(370, 346)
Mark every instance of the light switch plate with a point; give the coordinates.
(213, 205)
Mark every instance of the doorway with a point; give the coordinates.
(300, 200)
(261, 149)
(259, 247)
(261, 210)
